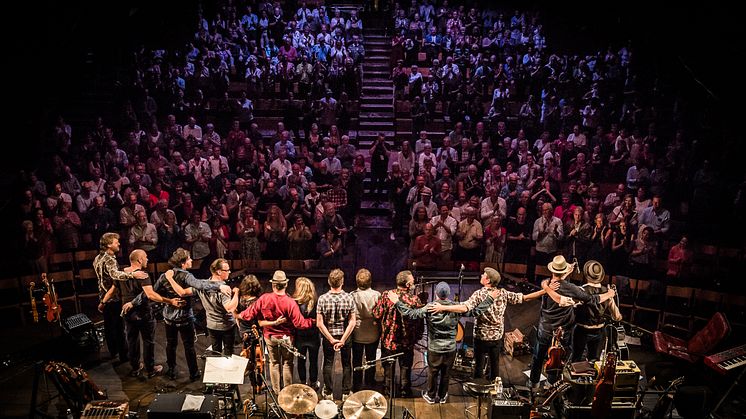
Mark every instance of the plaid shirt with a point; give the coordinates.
(336, 309)
(338, 197)
(396, 332)
(489, 325)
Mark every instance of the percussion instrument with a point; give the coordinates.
(297, 399)
(326, 409)
(365, 404)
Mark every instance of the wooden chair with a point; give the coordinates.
(626, 290)
(269, 265)
(291, 265)
(517, 269)
(705, 304)
(234, 250)
(542, 271)
(161, 267)
(84, 258)
(10, 298)
(735, 308)
(677, 306)
(61, 262)
(645, 302)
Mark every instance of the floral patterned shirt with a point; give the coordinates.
(396, 331)
(489, 325)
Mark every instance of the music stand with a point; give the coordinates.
(223, 370)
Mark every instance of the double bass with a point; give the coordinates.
(556, 352)
(50, 300)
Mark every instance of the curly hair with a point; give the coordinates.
(250, 286)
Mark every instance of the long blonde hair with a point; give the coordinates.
(305, 292)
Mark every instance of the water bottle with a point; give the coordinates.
(499, 388)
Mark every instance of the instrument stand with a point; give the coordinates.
(68, 398)
(275, 406)
(727, 393)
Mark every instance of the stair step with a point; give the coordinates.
(381, 99)
(372, 73)
(377, 51)
(374, 218)
(374, 107)
(378, 90)
(364, 116)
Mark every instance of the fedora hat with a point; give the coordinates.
(559, 265)
(279, 277)
(593, 272)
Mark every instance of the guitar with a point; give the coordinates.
(556, 352)
(558, 389)
(604, 394)
(253, 348)
(34, 311)
(50, 300)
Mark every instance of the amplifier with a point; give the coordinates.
(627, 374)
(168, 406)
(618, 411)
(105, 409)
(78, 321)
(509, 409)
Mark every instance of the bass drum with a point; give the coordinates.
(459, 332)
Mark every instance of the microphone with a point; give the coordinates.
(362, 368)
(285, 342)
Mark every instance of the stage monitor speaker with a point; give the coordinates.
(509, 409)
(618, 411)
(168, 406)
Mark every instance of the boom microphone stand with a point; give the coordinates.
(460, 282)
(390, 359)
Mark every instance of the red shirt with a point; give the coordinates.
(271, 306)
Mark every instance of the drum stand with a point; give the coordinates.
(391, 359)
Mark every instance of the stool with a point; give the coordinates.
(478, 387)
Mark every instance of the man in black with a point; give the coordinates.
(138, 317)
(107, 272)
(555, 315)
(519, 238)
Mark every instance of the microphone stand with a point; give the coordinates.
(390, 359)
(460, 282)
(290, 348)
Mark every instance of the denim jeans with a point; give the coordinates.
(586, 338)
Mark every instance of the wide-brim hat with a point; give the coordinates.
(559, 265)
(594, 272)
(279, 277)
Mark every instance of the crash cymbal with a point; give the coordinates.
(297, 399)
(365, 404)
(326, 409)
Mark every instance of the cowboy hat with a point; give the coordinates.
(593, 272)
(559, 265)
(279, 278)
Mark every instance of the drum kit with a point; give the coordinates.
(300, 401)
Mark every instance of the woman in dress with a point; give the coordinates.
(307, 341)
(247, 230)
(275, 233)
(496, 236)
(299, 236)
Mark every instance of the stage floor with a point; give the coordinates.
(16, 381)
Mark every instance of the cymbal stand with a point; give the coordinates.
(391, 359)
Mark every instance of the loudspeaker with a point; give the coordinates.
(693, 401)
(168, 406)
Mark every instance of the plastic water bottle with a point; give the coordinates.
(499, 388)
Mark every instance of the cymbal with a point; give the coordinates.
(297, 399)
(365, 404)
(326, 409)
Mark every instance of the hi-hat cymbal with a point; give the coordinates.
(297, 399)
(326, 409)
(365, 404)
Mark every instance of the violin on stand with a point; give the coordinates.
(54, 310)
(34, 311)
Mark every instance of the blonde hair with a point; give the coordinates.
(305, 292)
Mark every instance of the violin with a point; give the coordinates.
(50, 300)
(258, 359)
(556, 352)
(34, 311)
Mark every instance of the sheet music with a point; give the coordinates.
(222, 370)
(192, 403)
